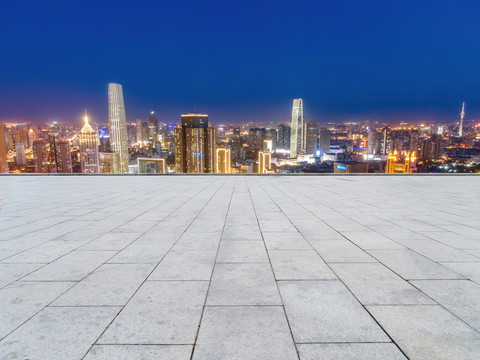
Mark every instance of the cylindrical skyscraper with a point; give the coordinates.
(117, 124)
(297, 137)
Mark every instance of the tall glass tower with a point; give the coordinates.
(297, 131)
(117, 124)
(88, 139)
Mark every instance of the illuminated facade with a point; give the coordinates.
(20, 154)
(151, 166)
(40, 156)
(264, 163)
(63, 157)
(194, 145)
(311, 137)
(109, 162)
(117, 125)
(395, 165)
(462, 114)
(3, 149)
(223, 161)
(88, 139)
(297, 131)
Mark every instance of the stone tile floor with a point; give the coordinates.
(242, 267)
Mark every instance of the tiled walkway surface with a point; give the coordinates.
(205, 267)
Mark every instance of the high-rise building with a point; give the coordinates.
(297, 131)
(223, 161)
(21, 136)
(312, 137)
(88, 140)
(63, 157)
(109, 162)
(271, 135)
(20, 154)
(32, 136)
(52, 155)
(462, 114)
(139, 130)
(3, 149)
(131, 134)
(323, 141)
(39, 148)
(432, 149)
(283, 136)
(194, 145)
(264, 162)
(236, 143)
(117, 125)
(152, 130)
(255, 139)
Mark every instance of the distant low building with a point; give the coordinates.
(151, 166)
(350, 167)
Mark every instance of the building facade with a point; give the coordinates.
(297, 131)
(88, 141)
(117, 125)
(194, 145)
(223, 161)
(312, 137)
(3, 149)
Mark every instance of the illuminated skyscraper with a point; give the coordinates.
(223, 161)
(109, 162)
(117, 124)
(88, 139)
(40, 155)
(20, 154)
(64, 157)
(264, 162)
(152, 130)
(283, 136)
(462, 114)
(3, 149)
(297, 131)
(194, 145)
(312, 137)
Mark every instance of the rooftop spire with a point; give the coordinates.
(86, 117)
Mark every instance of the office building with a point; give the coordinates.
(152, 130)
(236, 143)
(264, 162)
(283, 137)
(396, 164)
(39, 148)
(117, 125)
(139, 131)
(194, 145)
(88, 141)
(3, 149)
(323, 141)
(255, 139)
(297, 131)
(151, 166)
(20, 158)
(21, 135)
(223, 161)
(350, 167)
(109, 162)
(63, 157)
(312, 137)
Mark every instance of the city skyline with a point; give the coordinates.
(351, 62)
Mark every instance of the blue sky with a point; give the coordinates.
(240, 61)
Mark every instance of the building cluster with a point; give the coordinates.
(196, 146)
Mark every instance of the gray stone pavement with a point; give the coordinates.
(240, 267)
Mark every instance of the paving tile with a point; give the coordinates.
(185, 265)
(72, 267)
(111, 241)
(244, 333)
(243, 232)
(470, 270)
(49, 334)
(243, 284)
(373, 283)
(161, 312)
(299, 265)
(13, 272)
(325, 311)
(109, 285)
(44, 253)
(437, 251)
(242, 251)
(143, 352)
(458, 296)
(280, 240)
(21, 300)
(365, 351)
(428, 332)
(411, 265)
(371, 240)
(142, 252)
(341, 251)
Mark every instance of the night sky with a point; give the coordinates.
(240, 60)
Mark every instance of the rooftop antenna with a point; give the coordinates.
(86, 117)
(462, 114)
